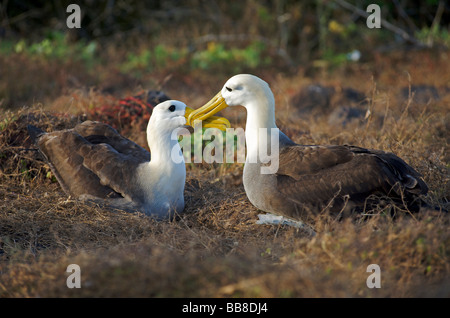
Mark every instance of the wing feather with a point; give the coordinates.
(298, 160)
(312, 174)
(59, 149)
(93, 159)
(96, 132)
(114, 169)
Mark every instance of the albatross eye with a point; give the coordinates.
(228, 89)
(172, 108)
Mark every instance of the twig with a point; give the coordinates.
(438, 16)
(404, 15)
(384, 23)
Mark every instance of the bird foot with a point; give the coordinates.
(272, 219)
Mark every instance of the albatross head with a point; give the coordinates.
(176, 107)
(162, 133)
(167, 116)
(243, 89)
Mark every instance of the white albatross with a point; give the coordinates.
(310, 178)
(93, 162)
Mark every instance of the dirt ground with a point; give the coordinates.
(215, 248)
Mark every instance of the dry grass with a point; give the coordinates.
(215, 249)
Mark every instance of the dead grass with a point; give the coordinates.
(215, 249)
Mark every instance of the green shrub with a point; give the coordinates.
(217, 57)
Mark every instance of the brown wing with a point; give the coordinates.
(114, 169)
(298, 160)
(96, 132)
(99, 163)
(317, 174)
(67, 165)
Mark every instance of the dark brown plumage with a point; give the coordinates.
(77, 156)
(318, 177)
(93, 162)
(310, 178)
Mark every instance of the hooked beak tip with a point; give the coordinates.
(216, 104)
(206, 112)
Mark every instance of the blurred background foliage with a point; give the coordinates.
(133, 38)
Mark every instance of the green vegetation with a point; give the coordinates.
(434, 35)
(54, 46)
(217, 57)
(148, 60)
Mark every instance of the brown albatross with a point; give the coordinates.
(310, 178)
(93, 162)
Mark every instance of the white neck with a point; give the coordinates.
(163, 149)
(260, 114)
(163, 173)
(163, 176)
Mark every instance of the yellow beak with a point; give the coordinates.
(207, 122)
(206, 112)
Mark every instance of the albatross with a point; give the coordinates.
(310, 178)
(94, 163)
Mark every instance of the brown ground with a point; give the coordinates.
(215, 249)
